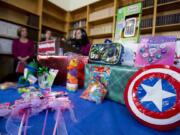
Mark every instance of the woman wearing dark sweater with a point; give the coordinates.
(81, 42)
(22, 48)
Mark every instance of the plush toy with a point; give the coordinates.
(72, 75)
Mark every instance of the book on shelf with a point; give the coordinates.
(33, 20)
(147, 3)
(168, 19)
(79, 24)
(164, 1)
(145, 23)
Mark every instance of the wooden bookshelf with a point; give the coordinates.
(103, 35)
(7, 37)
(102, 20)
(24, 6)
(18, 23)
(146, 30)
(83, 27)
(169, 27)
(147, 10)
(168, 6)
(78, 14)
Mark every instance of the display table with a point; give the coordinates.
(108, 118)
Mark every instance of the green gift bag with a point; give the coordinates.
(118, 80)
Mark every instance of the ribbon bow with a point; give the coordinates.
(42, 70)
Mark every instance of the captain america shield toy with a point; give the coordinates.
(152, 96)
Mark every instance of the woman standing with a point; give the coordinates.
(82, 42)
(47, 36)
(22, 48)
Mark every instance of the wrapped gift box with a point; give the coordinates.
(61, 63)
(118, 80)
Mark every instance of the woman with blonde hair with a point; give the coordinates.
(22, 48)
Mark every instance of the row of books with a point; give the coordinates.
(147, 3)
(33, 20)
(168, 19)
(145, 23)
(33, 34)
(161, 20)
(164, 1)
(72, 33)
(78, 24)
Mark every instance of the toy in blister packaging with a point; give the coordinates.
(177, 54)
(31, 95)
(128, 23)
(98, 84)
(27, 89)
(156, 50)
(46, 77)
(129, 55)
(106, 53)
(130, 27)
(72, 75)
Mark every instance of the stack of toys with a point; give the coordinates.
(72, 75)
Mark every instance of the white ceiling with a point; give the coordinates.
(70, 5)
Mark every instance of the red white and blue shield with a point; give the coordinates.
(152, 95)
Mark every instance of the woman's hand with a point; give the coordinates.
(24, 60)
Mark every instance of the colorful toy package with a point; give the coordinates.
(156, 50)
(177, 54)
(98, 84)
(7, 85)
(128, 23)
(72, 75)
(106, 53)
(129, 55)
(46, 77)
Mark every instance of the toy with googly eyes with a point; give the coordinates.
(156, 50)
